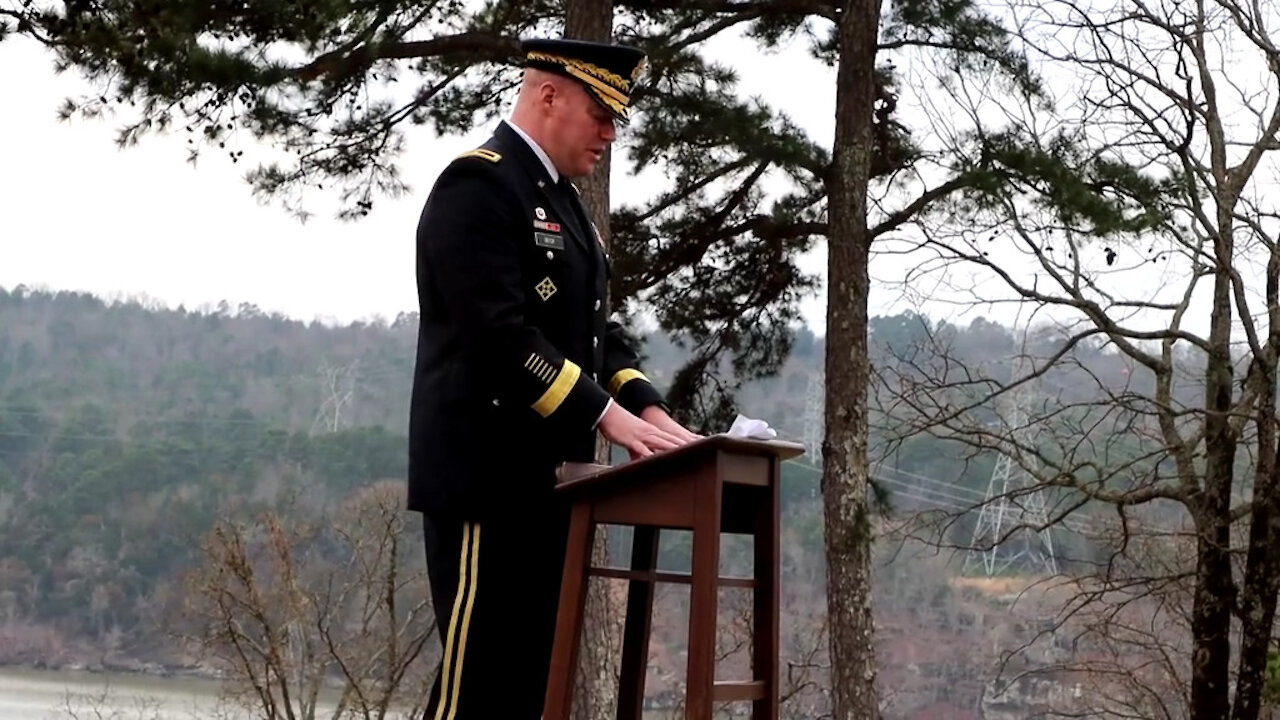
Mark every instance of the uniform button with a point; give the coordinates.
(551, 255)
(597, 303)
(595, 341)
(495, 402)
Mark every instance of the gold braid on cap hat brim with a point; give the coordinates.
(595, 77)
(617, 81)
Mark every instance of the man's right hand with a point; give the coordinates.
(640, 438)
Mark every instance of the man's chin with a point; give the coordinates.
(580, 172)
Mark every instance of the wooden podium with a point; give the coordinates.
(717, 484)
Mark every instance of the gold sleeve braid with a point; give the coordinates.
(559, 390)
(622, 377)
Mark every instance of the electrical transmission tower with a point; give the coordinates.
(337, 389)
(1012, 527)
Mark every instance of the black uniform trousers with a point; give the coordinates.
(495, 584)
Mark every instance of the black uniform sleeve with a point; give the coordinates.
(628, 386)
(468, 242)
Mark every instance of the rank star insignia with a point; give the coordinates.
(546, 289)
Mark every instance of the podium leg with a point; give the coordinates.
(635, 634)
(573, 595)
(766, 601)
(703, 599)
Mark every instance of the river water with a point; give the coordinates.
(66, 695)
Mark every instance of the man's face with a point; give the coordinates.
(581, 128)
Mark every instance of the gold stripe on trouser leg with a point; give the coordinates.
(453, 624)
(466, 618)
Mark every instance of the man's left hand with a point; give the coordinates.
(656, 416)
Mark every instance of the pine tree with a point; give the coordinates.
(715, 256)
(336, 85)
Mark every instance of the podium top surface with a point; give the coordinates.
(576, 476)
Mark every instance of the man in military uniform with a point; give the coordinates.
(518, 367)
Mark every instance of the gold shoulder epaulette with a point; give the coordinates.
(481, 153)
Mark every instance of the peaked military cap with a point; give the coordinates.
(609, 72)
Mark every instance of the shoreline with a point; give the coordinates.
(67, 693)
(139, 669)
(29, 693)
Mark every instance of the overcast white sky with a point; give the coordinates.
(80, 214)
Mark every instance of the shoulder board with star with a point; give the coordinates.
(482, 154)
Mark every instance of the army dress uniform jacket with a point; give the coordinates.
(516, 357)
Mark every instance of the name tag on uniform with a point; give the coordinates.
(548, 240)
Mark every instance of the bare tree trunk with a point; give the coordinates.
(844, 477)
(598, 666)
(1211, 612)
(1262, 569)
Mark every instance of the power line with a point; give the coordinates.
(951, 502)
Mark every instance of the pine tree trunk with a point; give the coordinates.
(845, 467)
(600, 655)
(593, 20)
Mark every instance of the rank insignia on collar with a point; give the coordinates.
(546, 289)
(548, 226)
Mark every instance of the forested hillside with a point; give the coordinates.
(127, 431)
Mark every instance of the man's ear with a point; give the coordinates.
(548, 93)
